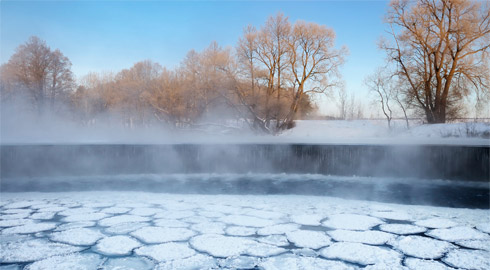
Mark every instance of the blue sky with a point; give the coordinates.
(112, 35)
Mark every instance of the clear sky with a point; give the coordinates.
(112, 35)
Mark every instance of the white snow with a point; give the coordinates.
(351, 222)
(43, 215)
(291, 262)
(278, 229)
(468, 259)
(422, 247)
(458, 234)
(392, 215)
(71, 261)
(78, 236)
(171, 223)
(128, 263)
(402, 228)
(115, 210)
(145, 211)
(153, 235)
(115, 220)
(248, 221)
(418, 264)
(81, 224)
(30, 228)
(195, 262)
(166, 252)
(436, 223)
(31, 250)
(14, 222)
(360, 253)
(239, 262)
(116, 245)
(366, 237)
(309, 239)
(209, 227)
(226, 246)
(175, 214)
(275, 240)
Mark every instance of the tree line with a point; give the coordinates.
(437, 54)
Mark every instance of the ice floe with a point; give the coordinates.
(32, 250)
(115, 210)
(292, 262)
(64, 262)
(85, 217)
(196, 262)
(307, 219)
(125, 228)
(166, 252)
(309, 239)
(402, 229)
(111, 221)
(351, 222)
(239, 262)
(226, 246)
(43, 215)
(436, 223)
(209, 227)
(366, 237)
(240, 231)
(278, 229)
(14, 222)
(171, 223)
(248, 221)
(153, 235)
(392, 215)
(468, 259)
(274, 239)
(421, 247)
(78, 236)
(484, 227)
(360, 253)
(458, 234)
(419, 264)
(30, 228)
(73, 225)
(475, 244)
(145, 211)
(128, 263)
(116, 245)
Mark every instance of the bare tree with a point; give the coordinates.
(440, 50)
(45, 73)
(380, 86)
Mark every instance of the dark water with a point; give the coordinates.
(407, 174)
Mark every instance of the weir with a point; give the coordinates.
(467, 163)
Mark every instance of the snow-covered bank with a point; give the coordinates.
(136, 230)
(305, 132)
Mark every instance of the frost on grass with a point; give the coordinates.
(111, 221)
(458, 234)
(366, 237)
(226, 246)
(79, 236)
(436, 223)
(278, 229)
(402, 229)
(128, 263)
(360, 253)
(468, 259)
(195, 262)
(418, 264)
(422, 247)
(116, 245)
(72, 261)
(32, 250)
(352, 222)
(292, 262)
(30, 228)
(309, 239)
(166, 252)
(153, 235)
(248, 221)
